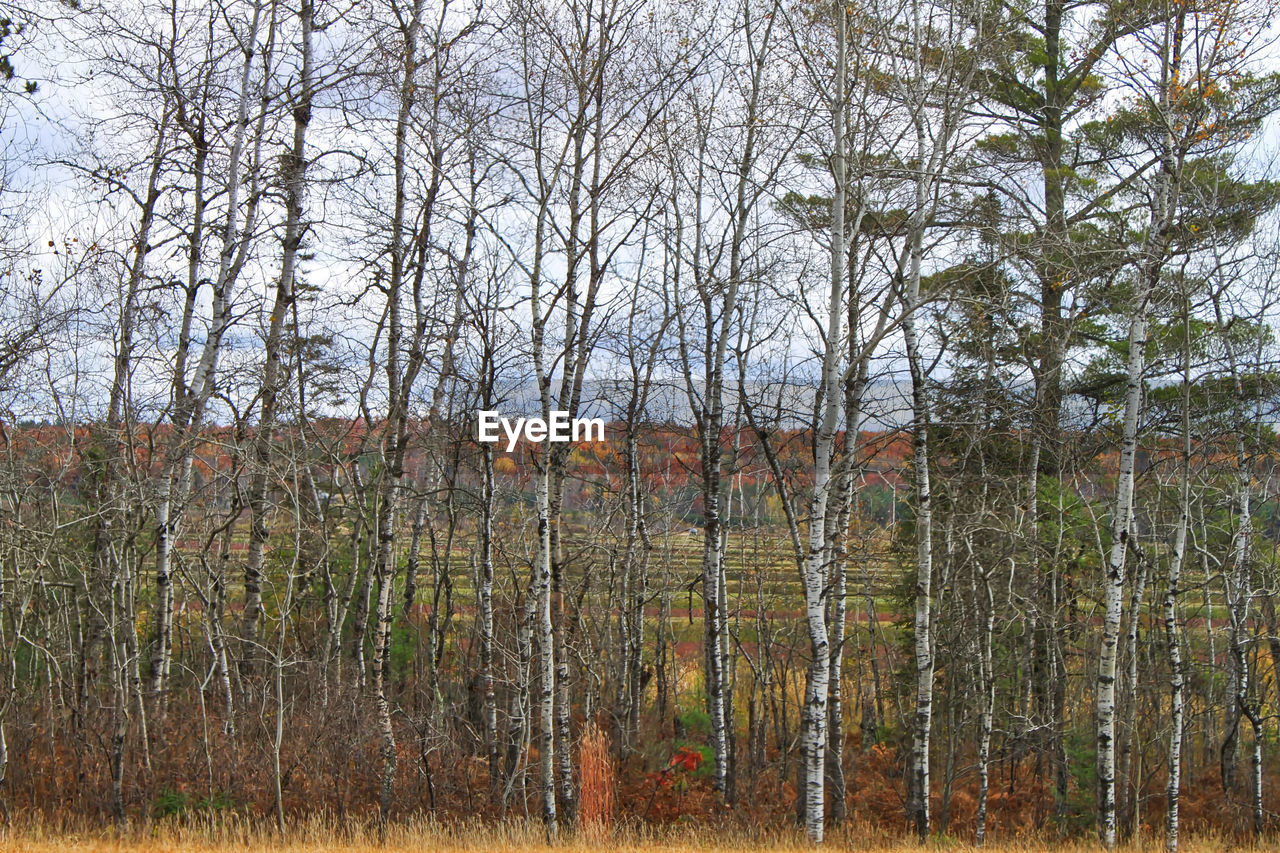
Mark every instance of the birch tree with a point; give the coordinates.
(1045, 72)
(937, 95)
(237, 230)
(1186, 124)
(423, 292)
(293, 179)
(833, 94)
(585, 123)
(737, 159)
(853, 316)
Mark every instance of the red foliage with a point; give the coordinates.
(685, 758)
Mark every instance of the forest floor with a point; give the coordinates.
(505, 838)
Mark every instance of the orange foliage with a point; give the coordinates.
(597, 780)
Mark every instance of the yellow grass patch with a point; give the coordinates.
(420, 836)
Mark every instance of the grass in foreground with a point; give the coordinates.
(426, 835)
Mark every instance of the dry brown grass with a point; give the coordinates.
(318, 835)
(598, 781)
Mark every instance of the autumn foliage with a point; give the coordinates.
(597, 780)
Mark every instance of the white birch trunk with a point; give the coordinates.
(486, 618)
(814, 569)
(294, 168)
(547, 660)
(836, 619)
(1128, 806)
(1121, 524)
(543, 628)
(918, 808)
(1238, 595)
(987, 714)
(381, 652)
(1152, 261)
(1173, 593)
(1173, 639)
(190, 404)
(110, 568)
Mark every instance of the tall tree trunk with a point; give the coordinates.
(918, 808)
(486, 619)
(838, 607)
(712, 604)
(293, 169)
(814, 572)
(1127, 798)
(113, 612)
(546, 658)
(1121, 528)
(1172, 597)
(190, 402)
(986, 714)
(1152, 261)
